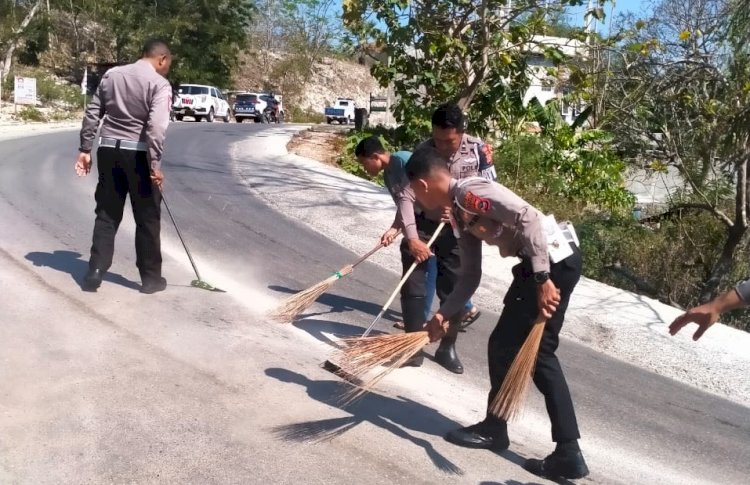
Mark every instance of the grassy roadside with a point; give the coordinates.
(659, 260)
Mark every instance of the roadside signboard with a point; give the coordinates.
(24, 91)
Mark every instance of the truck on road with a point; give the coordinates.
(342, 111)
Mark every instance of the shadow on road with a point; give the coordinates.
(395, 415)
(516, 482)
(340, 304)
(321, 329)
(70, 262)
(509, 482)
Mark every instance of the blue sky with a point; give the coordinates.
(640, 8)
(632, 5)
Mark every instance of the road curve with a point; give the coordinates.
(625, 412)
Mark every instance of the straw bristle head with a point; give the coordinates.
(509, 401)
(299, 302)
(370, 359)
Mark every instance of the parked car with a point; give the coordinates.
(200, 101)
(342, 111)
(253, 106)
(248, 106)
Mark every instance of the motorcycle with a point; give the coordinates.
(269, 116)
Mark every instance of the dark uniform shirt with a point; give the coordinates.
(487, 211)
(135, 102)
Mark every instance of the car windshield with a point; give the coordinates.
(193, 90)
(247, 98)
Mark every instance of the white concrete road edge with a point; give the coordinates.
(9, 130)
(627, 326)
(354, 212)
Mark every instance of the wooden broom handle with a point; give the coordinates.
(413, 267)
(401, 283)
(372, 251)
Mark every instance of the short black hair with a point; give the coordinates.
(155, 48)
(369, 147)
(424, 161)
(449, 115)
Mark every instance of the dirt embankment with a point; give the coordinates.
(323, 144)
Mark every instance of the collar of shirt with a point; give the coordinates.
(453, 188)
(144, 62)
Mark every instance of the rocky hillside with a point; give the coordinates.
(311, 92)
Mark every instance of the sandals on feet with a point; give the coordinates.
(470, 317)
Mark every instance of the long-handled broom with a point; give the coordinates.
(360, 355)
(508, 402)
(301, 301)
(198, 283)
(401, 283)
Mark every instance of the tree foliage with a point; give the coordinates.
(206, 36)
(475, 52)
(679, 97)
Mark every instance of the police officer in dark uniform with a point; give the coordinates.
(419, 223)
(133, 102)
(542, 285)
(465, 151)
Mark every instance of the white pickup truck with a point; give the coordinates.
(342, 111)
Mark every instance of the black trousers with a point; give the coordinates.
(123, 173)
(520, 311)
(413, 292)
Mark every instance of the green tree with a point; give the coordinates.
(679, 97)
(206, 36)
(470, 51)
(15, 18)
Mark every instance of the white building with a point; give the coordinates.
(544, 86)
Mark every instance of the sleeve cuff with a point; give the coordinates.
(743, 290)
(540, 263)
(410, 231)
(84, 150)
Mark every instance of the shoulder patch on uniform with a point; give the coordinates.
(474, 202)
(487, 151)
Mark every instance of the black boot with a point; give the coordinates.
(565, 462)
(153, 286)
(412, 309)
(446, 354)
(93, 279)
(490, 434)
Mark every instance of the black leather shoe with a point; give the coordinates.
(559, 465)
(481, 436)
(93, 279)
(150, 287)
(446, 356)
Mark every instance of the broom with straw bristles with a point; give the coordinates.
(299, 302)
(370, 359)
(358, 356)
(508, 402)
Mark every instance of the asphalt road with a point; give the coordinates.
(228, 366)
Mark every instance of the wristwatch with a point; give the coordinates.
(541, 277)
